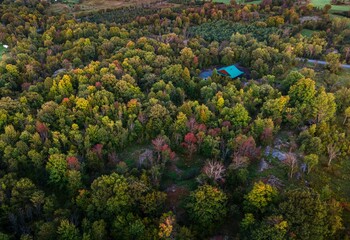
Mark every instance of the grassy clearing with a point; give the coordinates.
(183, 173)
(96, 5)
(131, 154)
(307, 32)
(2, 50)
(322, 3)
(316, 3)
(238, 1)
(222, 30)
(277, 169)
(336, 177)
(71, 3)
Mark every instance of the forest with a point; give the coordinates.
(107, 130)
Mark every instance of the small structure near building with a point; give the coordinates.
(205, 74)
(229, 71)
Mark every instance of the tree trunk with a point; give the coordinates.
(330, 161)
(332, 153)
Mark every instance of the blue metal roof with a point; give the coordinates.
(230, 71)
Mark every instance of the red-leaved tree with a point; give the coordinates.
(246, 147)
(190, 143)
(43, 130)
(73, 163)
(98, 150)
(162, 149)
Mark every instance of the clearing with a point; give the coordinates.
(96, 5)
(179, 177)
(238, 1)
(322, 3)
(307, 32)
(316, 3)
(2, 50)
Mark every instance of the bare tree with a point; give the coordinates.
(146, 158)
(214, 170)
(333, 152)
(239, 161)
(274, 181)
(292, 163)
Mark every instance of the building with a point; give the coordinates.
(230, 71)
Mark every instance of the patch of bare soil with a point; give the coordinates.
(175, 195)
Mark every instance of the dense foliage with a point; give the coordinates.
(223, 29)
(108, 132)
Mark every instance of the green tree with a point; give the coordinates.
(47, 231)
(98, 230)
(74, 181)
(275, 108)
(109, 196)
(271, 228)
(260, 196)
(306, 214)
(228, 56)
(311, 160)
(210, 146)
(4, 236)
(153, 203)
(173, 73)
(303, 92)
(324, 106)
(180, 124)
(126, 91)
(186, 56)
(207, 206)
(159, 120)
(347, 114)
(238, 116)
(186, 75)
(128, 227)
(57, 168)
(333, 62)
(67, 231)
(302, 97)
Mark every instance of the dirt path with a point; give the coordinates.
(346, 66)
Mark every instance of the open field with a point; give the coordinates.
(2, 50)
(307, 32)
(316, 3)
(322, 3)
(109, 4)
(239, 1)
(95, 5)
